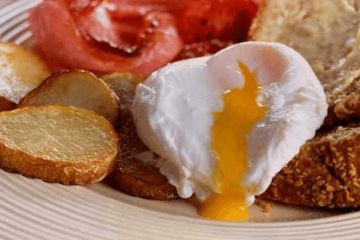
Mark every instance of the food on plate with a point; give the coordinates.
(254, 119)
(76, 88)
(123, 85)
(57, 144)
(224, 125)
(324, 173)
(225, 20)
(20, 71)
(159, 38)
(310, 27)
(326, 34)
(132, 36)
(6, 105)
(200, 49)
(131, 175)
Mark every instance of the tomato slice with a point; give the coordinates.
(76, 45)
(226, 20)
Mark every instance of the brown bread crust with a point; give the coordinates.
(325, 173)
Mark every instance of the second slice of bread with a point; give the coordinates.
(326, 33)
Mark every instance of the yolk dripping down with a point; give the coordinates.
(231, 127)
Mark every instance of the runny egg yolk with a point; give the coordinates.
(231, 127)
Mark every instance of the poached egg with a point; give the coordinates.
(224, 125)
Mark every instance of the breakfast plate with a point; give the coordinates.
(32, 209)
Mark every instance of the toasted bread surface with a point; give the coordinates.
(57, 144)
(326, 34)
(325, 173)
(21, 71)
(132, 175)
(80, 89)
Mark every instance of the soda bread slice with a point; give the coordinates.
(57, 144)
(325, 173)
(326, 33)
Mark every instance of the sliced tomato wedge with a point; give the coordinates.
(99, 44)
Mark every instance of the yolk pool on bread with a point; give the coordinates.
(201, 116)
(231, 126)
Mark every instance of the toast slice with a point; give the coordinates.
(327, 34)
(326, 171)
(75, 88)
(21, 71)
(131, 175)
(57, 144)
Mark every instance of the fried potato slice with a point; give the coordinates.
(21, 71)
(6, 105)
(124, 85)
(131, 175)
(57, 144)
(75, 88)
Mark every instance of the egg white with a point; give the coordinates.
(173, 112)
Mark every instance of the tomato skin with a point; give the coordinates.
(226, 20)
(58, 38)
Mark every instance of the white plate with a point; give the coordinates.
(32, 209)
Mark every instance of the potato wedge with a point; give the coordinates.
(57, 144)
(76, 88)
(131, 175)
(124, 85)
(20, 71)
(6, 105)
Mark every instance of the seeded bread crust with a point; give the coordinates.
(326, 171)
